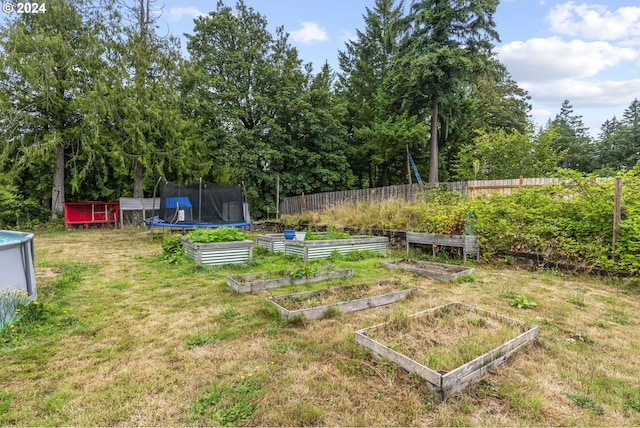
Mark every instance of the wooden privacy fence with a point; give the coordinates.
(321, 201)
(505, 187)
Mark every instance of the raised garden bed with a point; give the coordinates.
(218, 253)
(317, 304)
(450, 346)
(468, 243)
(273, 242)
(430, 269)
(316, 249)
(248, 282)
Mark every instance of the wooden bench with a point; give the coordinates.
(468, 243)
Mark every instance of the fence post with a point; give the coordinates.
(617, 197)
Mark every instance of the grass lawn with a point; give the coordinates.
(128, 339)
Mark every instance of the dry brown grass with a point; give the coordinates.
(127, 360)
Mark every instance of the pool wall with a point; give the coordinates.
(17, 270)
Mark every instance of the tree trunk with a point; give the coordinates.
(433, 154)
(137, 181)
(57, 192)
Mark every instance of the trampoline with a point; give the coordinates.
(200, 205)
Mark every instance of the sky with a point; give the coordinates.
(584, 52)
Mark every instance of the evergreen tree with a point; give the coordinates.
(380, 131)
(49, 63)
(573, 137)
(449, 44)
(143, 131)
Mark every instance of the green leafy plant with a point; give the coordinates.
(521, 302)
(304, 271)
(219, 234)
(172, 250)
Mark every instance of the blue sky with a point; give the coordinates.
(586, 52)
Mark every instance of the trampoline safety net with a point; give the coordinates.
(201, 203)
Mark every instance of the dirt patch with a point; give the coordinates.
(47, 273)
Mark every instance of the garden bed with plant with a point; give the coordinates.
(244, 283)
(325, 302)
(218, 246)
(318, 245)
(450, 346)
(434, 270)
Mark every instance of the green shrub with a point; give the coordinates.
(172, 250)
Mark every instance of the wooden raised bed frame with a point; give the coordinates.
(443, 384)
(244, 283)
(430, 269)
(468, 243)
(318, 312)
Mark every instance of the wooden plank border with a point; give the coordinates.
(443, 384)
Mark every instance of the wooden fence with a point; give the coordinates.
(320, 201)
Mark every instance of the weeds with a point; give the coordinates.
(304, 271)
(585, 403)
(521, 302)
(172, 250)
(632, 399)
(230, 405)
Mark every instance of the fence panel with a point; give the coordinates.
(321, 201)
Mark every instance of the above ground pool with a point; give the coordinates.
(16, 262)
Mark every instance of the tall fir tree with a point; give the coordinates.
(49, 62)
(448, 45)
(574, 138)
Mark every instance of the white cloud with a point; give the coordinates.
(595, 22)
(585, 93)
(175, 14)
(552, 58)
(310, 32)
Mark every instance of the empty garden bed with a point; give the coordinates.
(449, 346)
(244, 283)
(318, 304)
(430, 269)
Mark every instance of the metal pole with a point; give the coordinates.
(277, 197)
(200, 202)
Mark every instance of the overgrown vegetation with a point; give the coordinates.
(568, 224)
(331, 234)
